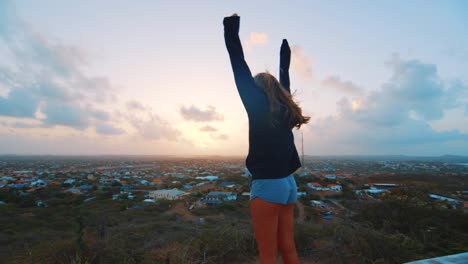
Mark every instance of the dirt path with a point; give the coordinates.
(181, 209)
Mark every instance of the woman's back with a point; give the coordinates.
(272, 153)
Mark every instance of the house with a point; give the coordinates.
(303, 172)
(89, 199)
(330, 176)
(40, 203)
(38, 183)
(31, 190)
(73, 190)
(6, 178)
(173, 194)
(444, 198)
(187, 186)
(16, 185)
(216, 198)
(106, 180)
(209, 178)
(144, 182)
(315, 186)
(247, 173)
(22, 172)
(157, 181)
(385, 185)
(69, 181)
(372, 191)
(229, 186)
(318, 204)
(334, 187)
(3, 184)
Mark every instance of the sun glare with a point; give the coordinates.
(356, 105)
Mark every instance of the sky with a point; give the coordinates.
(153, 77)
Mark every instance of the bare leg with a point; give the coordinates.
(286, 242)
(265, 223)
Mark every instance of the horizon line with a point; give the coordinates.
(221, 155)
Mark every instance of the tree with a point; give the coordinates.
(347, 192)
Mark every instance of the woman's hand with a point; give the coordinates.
(285, 47)
(285, 60)
(232, 22)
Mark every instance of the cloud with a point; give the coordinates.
(156, 128)
(60, 113)
(19, 103)
(98, 114)
(108, 129)
(255, 39)
(195, 114)
(345, 87)
(218, 136)
(301, 64)
(413, 87)
(18, 124)
(397, 116)
(208, 128)
(135, 106)
(45, 84)
(213, 134)
(151, 126)
(258, 38)
(46, 76)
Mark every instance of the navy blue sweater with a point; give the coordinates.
(272, 153)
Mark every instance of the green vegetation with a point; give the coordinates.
(402, 226)
(392, 231)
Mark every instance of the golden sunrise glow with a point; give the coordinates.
(356, 105)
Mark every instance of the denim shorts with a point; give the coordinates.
(282, 191)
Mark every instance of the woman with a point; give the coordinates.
(272, 154)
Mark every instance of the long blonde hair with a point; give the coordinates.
(277, 96)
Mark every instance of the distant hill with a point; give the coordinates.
(444, 158)
(86, 157)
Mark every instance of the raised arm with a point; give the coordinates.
(285, 60)
(250, 94)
